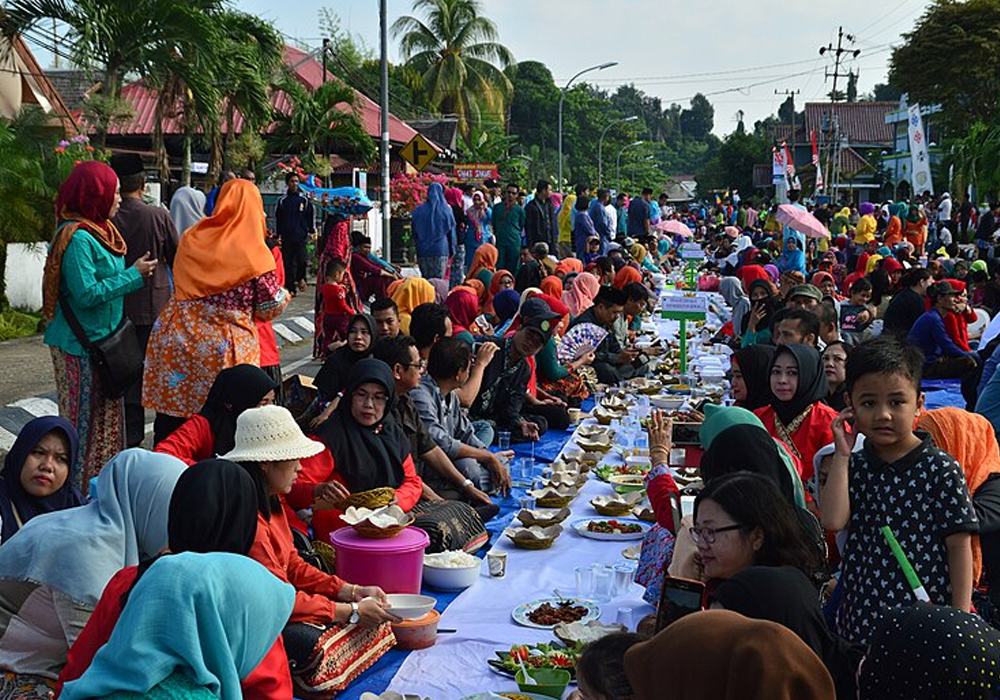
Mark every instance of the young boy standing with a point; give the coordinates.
(899, 479)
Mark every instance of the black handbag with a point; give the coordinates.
(117, 357)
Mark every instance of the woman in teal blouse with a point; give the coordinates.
(86, 266)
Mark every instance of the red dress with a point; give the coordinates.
(190, 443)
(269, 356)
(805, 439)
(271, 679)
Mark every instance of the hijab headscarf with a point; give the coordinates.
(931, 652)
(565, 218)
(638, 252)
(13, 497)
(734, 439)
(213, 616)
(768, 302)
(731, 290)
(187, 207)
(333, 376)
(792, 258)
(812, 381)
(453, 196)
(229, 524)
(434, 217)
(552, 286)
(773, 273)
(234, 390)
(722, 655)
(494, 289)
(970, 439)
(126, 522)
(751, 273)
(413, 292)
(625, 276)
(85, 200)
(441, 289)
(485, 258)
(785, 595)
(568, 266)
(530, 275)
(463, 308)
(367, 457)
(580, 296)
(479, 289)
(755, 365)
(506, 304)
(226, 249)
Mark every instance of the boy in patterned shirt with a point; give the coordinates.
(899, 479)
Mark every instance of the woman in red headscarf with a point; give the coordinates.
(85, 270)
(463, 307)
(625, 276)
(224, 280)
(552, 286)
(957, 322)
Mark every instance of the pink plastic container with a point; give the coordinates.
(396, 564)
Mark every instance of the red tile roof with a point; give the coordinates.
(307, 70)
(861, 122)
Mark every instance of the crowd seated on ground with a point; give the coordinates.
(834, 343)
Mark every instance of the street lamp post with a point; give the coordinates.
(618, 163)
(562, 97)
(600, 148)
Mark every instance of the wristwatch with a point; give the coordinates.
(355, 615)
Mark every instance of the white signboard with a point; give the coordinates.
(918, 153)
(684, 304)
(692, 251)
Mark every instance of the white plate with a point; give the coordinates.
(581, 528)
(520, 613)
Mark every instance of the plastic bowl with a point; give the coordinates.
(417, 634)
(552, 682)
(410, 606)
(451, 579)
(669, 403)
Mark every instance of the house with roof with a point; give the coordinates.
(23, 83)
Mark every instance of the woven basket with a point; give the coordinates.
(554, 501)
(533, 544)
(375, 498)
(613, 509)
(366, 529)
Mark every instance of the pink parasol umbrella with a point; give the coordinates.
(732, 231)
(802, 221)
(673, 226)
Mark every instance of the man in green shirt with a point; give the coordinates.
(508, 227)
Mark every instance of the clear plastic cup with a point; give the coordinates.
(624, 617)
(624, 571)
(528, 502)
(503, 439)
(603, 583)
(584, 582)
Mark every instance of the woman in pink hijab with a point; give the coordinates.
(453, 196)
(580, 296)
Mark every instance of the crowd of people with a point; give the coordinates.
(527, 304)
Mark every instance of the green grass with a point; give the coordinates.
(17, 324)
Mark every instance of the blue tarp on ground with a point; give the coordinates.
(377, 678)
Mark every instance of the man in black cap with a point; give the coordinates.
(505, 380)
(146, 229)
(613, 361)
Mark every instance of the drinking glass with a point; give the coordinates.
(503, 439)
(528, 502)
(625, 617)
(603, 583)
(624, 571)
(584, 582)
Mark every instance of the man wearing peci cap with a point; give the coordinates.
(943, 359)
(146, 229)
(501, 397)
(614, 362)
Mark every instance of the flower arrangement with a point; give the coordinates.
(72, 152)
(407, 192)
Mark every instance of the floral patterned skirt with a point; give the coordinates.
(23, 686)
(192, 341)
(100, 421)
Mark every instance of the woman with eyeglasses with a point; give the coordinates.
(835, 368)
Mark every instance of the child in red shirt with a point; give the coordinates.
(336, 311)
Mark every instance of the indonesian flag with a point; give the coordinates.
(792, 179)
(815, 162)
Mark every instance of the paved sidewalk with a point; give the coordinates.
(27, 387)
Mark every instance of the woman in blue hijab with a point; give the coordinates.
(792, 258)
(433, 225)
(36, 473)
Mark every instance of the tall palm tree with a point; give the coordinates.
(457, 53)
(117, 36)
(317, 118)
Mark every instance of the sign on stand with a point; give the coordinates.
(684, 308)
(692, 251)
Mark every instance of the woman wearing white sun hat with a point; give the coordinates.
(337, 629)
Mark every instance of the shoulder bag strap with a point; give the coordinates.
(74, 324)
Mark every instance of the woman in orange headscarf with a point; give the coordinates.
(567, 266)
(485, 259)
(224, 280)
(413, 292)
(969, 438)
(552, 286)
(502, 280)
(627, 275)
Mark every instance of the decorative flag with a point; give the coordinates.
(815, 161)
(778, 174)
(918, 153)
(790, 177)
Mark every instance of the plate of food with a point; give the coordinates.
(606, 471)
(546, 613)
(614, 529)
(555, 656)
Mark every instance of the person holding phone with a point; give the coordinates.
(757, 322)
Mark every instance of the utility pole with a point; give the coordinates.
(384, 108)
(838, 55)
(791, 94)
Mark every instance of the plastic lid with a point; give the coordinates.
(409, 540)
(430, 618)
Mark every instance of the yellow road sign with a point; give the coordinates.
(418, 152)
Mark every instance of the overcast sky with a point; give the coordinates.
(659, 45)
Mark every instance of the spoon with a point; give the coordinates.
(528, 680)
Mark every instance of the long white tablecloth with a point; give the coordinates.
(456, 665)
